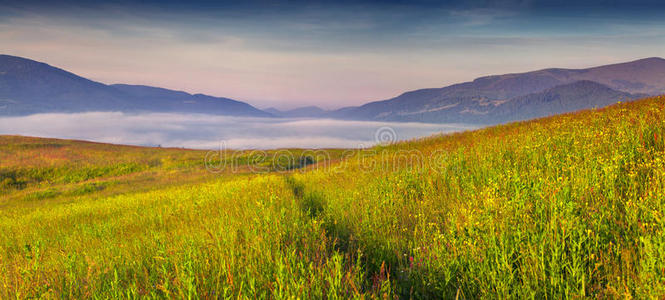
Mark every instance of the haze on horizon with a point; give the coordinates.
(325, 54)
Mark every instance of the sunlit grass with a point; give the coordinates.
(564, 207)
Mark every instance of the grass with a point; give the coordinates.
(565, 207)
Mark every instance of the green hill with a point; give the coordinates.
(570, 206)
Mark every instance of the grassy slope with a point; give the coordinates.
(558, 207)
(36, 169)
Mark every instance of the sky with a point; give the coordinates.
(329, 54)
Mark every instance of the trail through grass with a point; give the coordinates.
(564, 207)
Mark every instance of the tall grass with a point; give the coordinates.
(564, 207)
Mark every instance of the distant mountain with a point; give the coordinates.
(177, 101)
(476, 101)
(273, 111)
(28, 87)
(644, 76)
(560, 99)
(301, 112)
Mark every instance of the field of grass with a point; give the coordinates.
(38, 169)
(564, 207)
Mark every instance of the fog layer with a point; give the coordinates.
(200, 131)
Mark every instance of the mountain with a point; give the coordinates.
(557, 100)
(177, 101)
(28, 87)
(273, 111)
(645, 76)
(560, 99)
(476, 101)
(301, 112)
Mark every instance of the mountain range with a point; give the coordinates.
(510, 97)
(29, 87)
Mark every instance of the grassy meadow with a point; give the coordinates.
(571, 206)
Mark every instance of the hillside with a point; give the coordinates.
(475, 101)
(560, 99)
(569, 206)
(29, 87)
(42, 169)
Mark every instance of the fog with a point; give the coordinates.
(200, 131)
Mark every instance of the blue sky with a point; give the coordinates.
(330, 54)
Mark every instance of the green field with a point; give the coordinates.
(565, 207)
